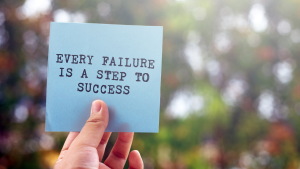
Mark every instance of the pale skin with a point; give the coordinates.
(85, 150)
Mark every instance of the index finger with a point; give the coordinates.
(69, 140)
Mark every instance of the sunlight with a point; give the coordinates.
(258, 18)
(32, 8)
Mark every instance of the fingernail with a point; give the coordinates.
(96, 107)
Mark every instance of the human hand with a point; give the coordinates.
(86, 149)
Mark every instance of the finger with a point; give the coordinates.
(119, 153)
(95, 126)
(103, 166)
(135, 160)
(67, 144)
(101, 147)
(69, 140)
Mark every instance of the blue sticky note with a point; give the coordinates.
(119, 64)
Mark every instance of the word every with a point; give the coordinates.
(75, 59)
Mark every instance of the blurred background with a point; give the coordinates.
(230, 89)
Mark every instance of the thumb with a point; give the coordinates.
(95, 126)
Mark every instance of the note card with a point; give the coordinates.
(119, 64)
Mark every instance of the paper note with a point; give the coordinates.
(119, 64)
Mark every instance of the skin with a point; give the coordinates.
(85, 150)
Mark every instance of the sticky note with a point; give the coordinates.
(119, 64)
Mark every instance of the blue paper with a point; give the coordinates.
(79, 54)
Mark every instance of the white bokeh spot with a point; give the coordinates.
(257, 17)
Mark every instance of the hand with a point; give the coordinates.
(86, 149)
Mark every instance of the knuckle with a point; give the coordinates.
(103, 141)
(120, 155)
(124, 140)
(95, 121)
